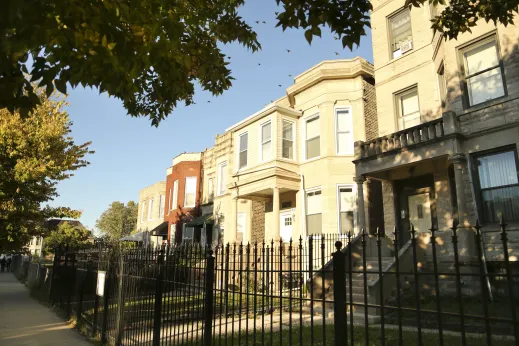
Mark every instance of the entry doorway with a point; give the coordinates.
(420, 212)
(416, 202)
(286, 220)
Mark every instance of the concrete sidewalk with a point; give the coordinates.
(23, 321)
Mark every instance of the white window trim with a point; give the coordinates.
(352, 146)
(219, 191)
(294, 136)
(161, 208)
(185, 192)
(310, 190)
(238, 168)
(174, 199)
(303, 142)
(272, 157)
(353, 188)
(170, 198)
(143, 210)
(150, 209)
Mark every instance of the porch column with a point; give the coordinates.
(234, 220)
(466, 245)
(361, 217)
(459, 162)
(275, 214)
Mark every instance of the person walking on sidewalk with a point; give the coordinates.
(8, 264)
(3, 262)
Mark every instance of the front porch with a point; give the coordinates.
(272, 193)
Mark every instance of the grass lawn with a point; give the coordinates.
(391, 338)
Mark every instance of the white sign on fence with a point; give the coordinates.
(101, 275)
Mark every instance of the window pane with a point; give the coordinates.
(266, 151)
(343, 121)
(162, 205)
(312, 128)
(346, 221)
(265, 133)
(244, 141)
(400, 26)
(313, 203)
(313, 147)
(190, 192)
(243, 159)
(497, 170)
(314, 224)
(150, 209)
(485, 86)
(347, 199)
(222, 178)
(288, 149)
(409, 103)
(287, 130)
(501, 202)
(481, 58)
(344, 143)
(175, 195)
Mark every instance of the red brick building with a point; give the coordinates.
(183, 193)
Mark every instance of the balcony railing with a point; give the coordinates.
(414, 135)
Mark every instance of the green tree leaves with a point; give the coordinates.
(118, 220)
(36, 152)
(151, 53)
(66, 235)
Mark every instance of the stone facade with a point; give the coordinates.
(148, 219)
(258, 222)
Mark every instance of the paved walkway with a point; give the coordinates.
(23, 321)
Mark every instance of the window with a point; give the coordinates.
(442, 85)
(188, 235)
(344, 128)
(222, 188)
(286, 205)
(162, 205)
(314, 212)
(408, 109)
(288, 140)
(241, 226)
(266, 142)
(190, 192)
(150, 209)
(174, 198)
(400, 30)
(143, 211)
(244, 145)
(499, 185)
(313, 138)
(346, 207)
(170, 205)
(483, 74)
(38, 240)
(210, 188)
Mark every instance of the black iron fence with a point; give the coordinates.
(437, 289)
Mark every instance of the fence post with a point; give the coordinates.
(52, 291)
(208, 310)
(72, 286)
(339, 295)
(158, 298)
(106, 297)
(120, 298)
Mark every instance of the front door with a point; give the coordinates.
(420, 212)
(285, 226)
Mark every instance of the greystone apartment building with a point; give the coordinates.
(448, 130)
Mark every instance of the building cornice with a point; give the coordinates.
(329, 70)
(269, 109)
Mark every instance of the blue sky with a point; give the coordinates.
(130, 154)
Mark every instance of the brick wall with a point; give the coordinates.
(370, 110)
(175, 213)
(258, 222)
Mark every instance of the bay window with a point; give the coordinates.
(314, 217)
(312, 138)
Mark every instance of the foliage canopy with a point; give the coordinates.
(118, 220)
(151, 53)
(36, 152)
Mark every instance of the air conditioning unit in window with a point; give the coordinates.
(406, 46)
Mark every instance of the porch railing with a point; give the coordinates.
(414, 135)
